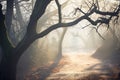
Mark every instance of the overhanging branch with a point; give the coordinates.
(86, 17)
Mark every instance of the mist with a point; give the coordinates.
(78, 40)
(82, 50)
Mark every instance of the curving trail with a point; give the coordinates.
(82, 67)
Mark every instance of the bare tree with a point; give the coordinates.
(11, 55)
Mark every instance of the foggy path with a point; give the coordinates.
(77, 63)
(78, 66)
(81, 66)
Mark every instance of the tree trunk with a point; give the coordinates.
(60, 43)
(8, 69)
(8, 64)
(10, 55)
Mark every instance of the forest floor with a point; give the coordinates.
(82, 67)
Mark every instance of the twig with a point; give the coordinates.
(98, 33)
(86, 26)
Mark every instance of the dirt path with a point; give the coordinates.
(79, 66)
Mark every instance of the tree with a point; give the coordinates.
(11, 55)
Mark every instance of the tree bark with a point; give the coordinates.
(8, 64)
(8, 68)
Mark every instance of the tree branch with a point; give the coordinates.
(86, 16)
(9, 13)
(38, 11)
(25, 44)
(59, 11)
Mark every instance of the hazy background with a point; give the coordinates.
(76, 39)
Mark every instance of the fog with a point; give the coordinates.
(77, 39)
(81, 38)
